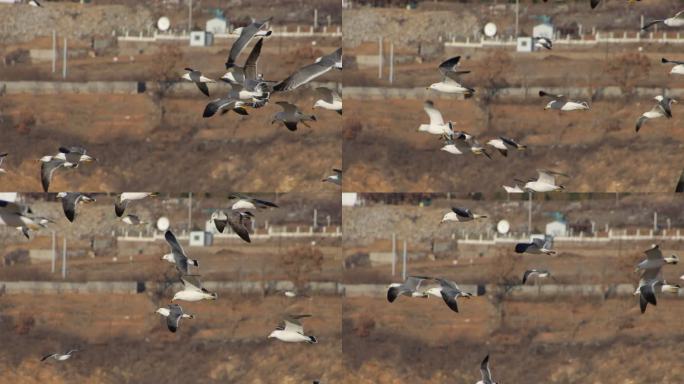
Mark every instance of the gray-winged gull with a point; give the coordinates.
(678, 69)
(291, 330)
(177, 255)
(450, 80)
(461, 215)
(537, 246)
(486, 372)
(59, 356)
(502, 144)
(121, 201)
(539, 273)
(655, 259)
(335, 178)
(256, 28)
(237, 220)
(329, 100)
(70, 200)
(560, 103)
(663, 108)
(248, 202)
(173, 313)
(436, 126)
(309, 72)
(449, 291)
(545, 182)
(675, 21)
(193, 290)
(290, 116)
(200, 80)
(409, 288)
(68, 157)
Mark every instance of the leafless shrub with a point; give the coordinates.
(300, 262)
(627, 70)
(24, 324)
(352, 128)
(363, 325)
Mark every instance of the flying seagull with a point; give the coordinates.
(650, 283)
(502, 144)
(514, 189)
(335, 178)
(21, 217)
(177, 255)
(199, 80)
(290, 330)
(291, 116)
(542, 42)
(486, 372)
(450, 146)
(539, 273)
(545, 182)
(655, 259)
(132, 220)
(437, 126)
(193, 290)
(237, 220)
(2, 158)
(449, 292)
(461, 215)
(257, 28)
(59, 356)
(34, 3)
(226, 104)
(309, 72)
(173, 313)
(247, 202)
(678, 69)
(238, 75)
(408, 288)
(471, 141)
(70, 200)
(329, 100)
(450, 80)
(537, 246)
(662, 108)
(121, 202)
(560, 103)
(68, 157)
(675, 21)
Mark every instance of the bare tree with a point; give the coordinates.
(165, 71)
(627, 70)
(503, 275)
(300, 262)
(492, 78)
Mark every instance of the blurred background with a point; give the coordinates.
(581, 325)
(106, 75)
(393, 49)
(94, 284)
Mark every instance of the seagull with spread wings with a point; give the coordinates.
(177, 255)
(451, 77)
(290, 330)
(173, 313)
(72, 199)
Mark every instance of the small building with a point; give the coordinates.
(557, 228)
(201, 239)
(525, 44)
(216, 25)
(201, 39)
(543, 30)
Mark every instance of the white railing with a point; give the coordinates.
(271, 232)
(153, 36)
(598, 38)
(611, 235)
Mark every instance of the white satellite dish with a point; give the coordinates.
(163, 223)
(163, 23)
(503, 227)
(490, 29)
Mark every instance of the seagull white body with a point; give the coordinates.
(514, 189)
(243, 204)
(675, 21)
(678, 68)
(336, 105)
(192, 291)
(165, 312)
(437, 126)
(290, 330)
(451, 148)
(450, 86)
(289, 337)
(201, 79)
(59, 356)
(461, 215)
(569, 106)
(545, 182)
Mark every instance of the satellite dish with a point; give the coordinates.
(503, 227)
(163, 223)
(163, 23)
(490, 29)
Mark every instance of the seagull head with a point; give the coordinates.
(434, 291)
(449, 216)
(237, 31)
(186, 76)
(61, 195)
(45, 159)
(87, 159)
(548, 106)
(167, 257)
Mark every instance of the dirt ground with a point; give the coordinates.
(559, 341)
(122, 340)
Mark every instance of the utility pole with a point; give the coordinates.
(517, 16)
(64, 258)
(380, 58)
(315, 218)
(189, 212)
(529, 213)
(655, 221)
(64, 60)
(54, 52)
(394, 253)
(190, 16)
(315, 24)
(403, 270)
(391, 63)
(54, 251)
